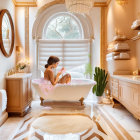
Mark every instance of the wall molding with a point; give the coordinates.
(25, 4)
(103, 31)
(101, 4)
(34, 3)
(27, 52)
(47, 5)
(108, 2)
(103, 38)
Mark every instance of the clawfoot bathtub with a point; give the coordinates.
(77, 90)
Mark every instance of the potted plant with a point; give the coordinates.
(100, 77)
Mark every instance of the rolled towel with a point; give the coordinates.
(3, 100)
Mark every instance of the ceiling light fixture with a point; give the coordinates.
(79, 6)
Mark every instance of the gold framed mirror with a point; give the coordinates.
(6, 33)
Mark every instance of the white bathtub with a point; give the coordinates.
(77, 89)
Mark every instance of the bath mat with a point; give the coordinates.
(24, 132)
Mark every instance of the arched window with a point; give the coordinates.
(63, 37)
(63, 26)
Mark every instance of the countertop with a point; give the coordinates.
(128, 78)
(19, 76)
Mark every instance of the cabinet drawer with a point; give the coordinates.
(13, 94)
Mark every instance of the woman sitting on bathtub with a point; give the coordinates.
(52, 63)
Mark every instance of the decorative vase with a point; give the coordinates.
(99, 99)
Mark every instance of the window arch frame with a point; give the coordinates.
(51, 18)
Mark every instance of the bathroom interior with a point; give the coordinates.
(98, 44)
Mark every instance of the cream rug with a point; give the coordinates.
(94, 131)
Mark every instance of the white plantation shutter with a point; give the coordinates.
(72, 53)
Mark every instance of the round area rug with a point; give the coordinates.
(34, 128)
(62, 124)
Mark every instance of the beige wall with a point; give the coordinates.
(121, 18)
(95, 15)
(6, 63)
(20, 26)
(137, 16)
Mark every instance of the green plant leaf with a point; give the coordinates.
(94, 88)
(100, 76)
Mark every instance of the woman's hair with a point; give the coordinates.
(52, 60)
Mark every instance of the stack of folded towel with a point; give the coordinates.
(135, 24)
(121, 55)
(119, 47)
(119, 38)
(118, 51)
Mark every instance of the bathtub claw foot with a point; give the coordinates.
(82, 101)
(41, 99)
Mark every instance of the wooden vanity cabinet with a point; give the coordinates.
(19, 95)
(128, 94)
(115, 88)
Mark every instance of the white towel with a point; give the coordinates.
(138, 33)
(124, 56)
(109, 58)
(119, 37)
(135, 24)
(112, 54)
(116, 57)
(3, 100)
(121, 46)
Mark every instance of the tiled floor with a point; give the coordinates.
(111, 119)
(122, 120)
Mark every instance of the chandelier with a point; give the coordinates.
(79, 6)
(122, 2)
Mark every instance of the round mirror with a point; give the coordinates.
(6, 33)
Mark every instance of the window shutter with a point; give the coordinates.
(72, 53)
